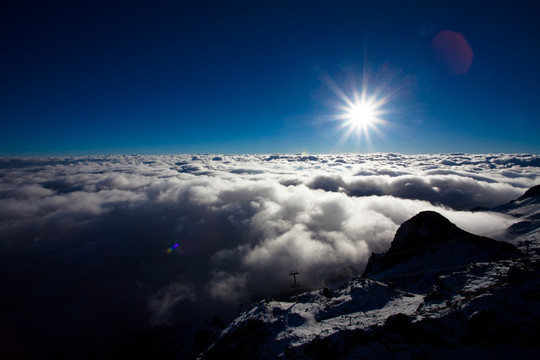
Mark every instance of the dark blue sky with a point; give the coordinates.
(252, 77)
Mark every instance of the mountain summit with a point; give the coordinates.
(428, 245)
(426, 229)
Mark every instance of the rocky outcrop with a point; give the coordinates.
(532, 192)
(428, 245)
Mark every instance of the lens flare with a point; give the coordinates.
(172, 248)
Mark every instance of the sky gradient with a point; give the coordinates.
(92, 77)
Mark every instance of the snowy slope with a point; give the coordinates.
(483, 308)
(526, 209)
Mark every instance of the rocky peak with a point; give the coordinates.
(534, 191)
(428, 244)
(425, 229)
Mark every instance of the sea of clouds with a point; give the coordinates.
(100, 249)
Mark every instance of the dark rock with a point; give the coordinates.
(205, 336)
(425, 229)
(239, 344)
(534, 191)
(327, 293)
(398, 322)
(519, 273)
(485, 326)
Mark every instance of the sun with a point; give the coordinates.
(363, 108)
(361, 115)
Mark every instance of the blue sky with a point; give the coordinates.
(253, 77)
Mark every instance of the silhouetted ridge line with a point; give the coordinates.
(534, 191)
(428, 243)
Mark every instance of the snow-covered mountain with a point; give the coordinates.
(428, 246)
(438, 292)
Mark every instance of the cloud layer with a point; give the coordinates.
(104, 247)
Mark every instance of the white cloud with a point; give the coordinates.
(234, 228)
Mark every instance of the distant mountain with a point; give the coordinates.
(438, 292)
(526, 208)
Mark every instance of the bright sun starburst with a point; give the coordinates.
(363, 111)
(361, 115)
